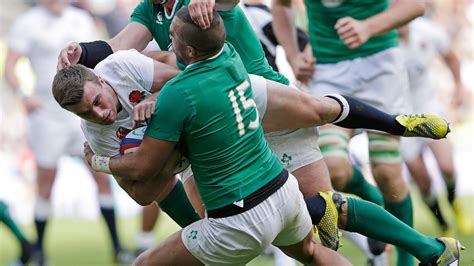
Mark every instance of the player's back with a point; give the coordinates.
(221, 128)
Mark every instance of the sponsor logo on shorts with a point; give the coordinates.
(286, 159)
(332, 3)
(193, 234)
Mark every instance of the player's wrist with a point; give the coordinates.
(101, 164)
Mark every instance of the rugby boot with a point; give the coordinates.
(450, 255)
(328, 230)
(424, 125)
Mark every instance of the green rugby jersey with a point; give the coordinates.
(210, 107)
(325, 42)
(239, 33)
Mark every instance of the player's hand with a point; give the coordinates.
(69, 55)
(303, 66)
(201, 12)
(143, 111)
(88, 153)
(461, 96)
(353, 32)
(31, 104)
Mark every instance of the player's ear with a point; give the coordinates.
(191, 51)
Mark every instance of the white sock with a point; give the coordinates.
(145, 240)
(106, 201)
(42, 208)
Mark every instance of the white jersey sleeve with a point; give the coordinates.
(130, 74)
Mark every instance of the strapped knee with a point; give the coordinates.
(384, 149)
(333, 142)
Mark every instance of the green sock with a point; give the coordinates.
(7, 219)
(403, 210)
(360, 187)
(178, 207)
(373, 221)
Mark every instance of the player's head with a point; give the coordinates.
(78, 90)
(54, 6)
(190, 42)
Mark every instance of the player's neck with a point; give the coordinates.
(116, 98)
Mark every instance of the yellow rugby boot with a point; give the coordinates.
(424, 125)
(450, 255)
(463, 221)
(328, 230)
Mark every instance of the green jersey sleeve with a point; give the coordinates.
(143, 14)
(172, 112)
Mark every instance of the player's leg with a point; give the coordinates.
(412, 155)
(42, 210)
(355, 214)
(171, 251)
(145, 239)
(26, 247)
(443, 153)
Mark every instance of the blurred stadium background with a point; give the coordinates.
(76, 234)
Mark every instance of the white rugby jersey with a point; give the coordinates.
(426, 40)
(40, 36)
(130, 74)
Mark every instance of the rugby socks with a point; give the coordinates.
(7, 219)
(178, 207)
(106, 202)
(385, 227)
(432, 202)
(450, 182)
(42, 212)
(356, 114)
(316, 206)
(360, 187)
(403, 210)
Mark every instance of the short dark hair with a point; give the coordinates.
(204, 41)
(68, 84)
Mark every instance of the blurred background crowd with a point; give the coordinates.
(76, 235)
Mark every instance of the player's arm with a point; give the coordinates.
(285, 31)
(9, 71)
(355, 32)
(461, 93)
(201, 10)
(147, 162)
(135, 35)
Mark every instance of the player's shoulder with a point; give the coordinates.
(118, 58)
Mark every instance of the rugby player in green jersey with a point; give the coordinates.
(381, 217)
(251, 201)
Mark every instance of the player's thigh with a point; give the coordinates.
(291, 108)
(169, 252)
(47, 139)
(299, 153)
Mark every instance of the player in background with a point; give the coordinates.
(422, 41)
(38, 35)
(356, 53)
(25, 246)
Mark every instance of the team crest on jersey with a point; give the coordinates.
(122, 132)
(159, 18)
(332, 3)
(136, 96)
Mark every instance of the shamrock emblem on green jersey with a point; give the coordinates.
(286, 159)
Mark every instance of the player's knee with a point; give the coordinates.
(384, 149)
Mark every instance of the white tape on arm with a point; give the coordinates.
(101, 164)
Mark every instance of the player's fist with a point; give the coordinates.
(143, 111)
(201, 12)
(303, 66)
(353, 32)
(69, 55)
